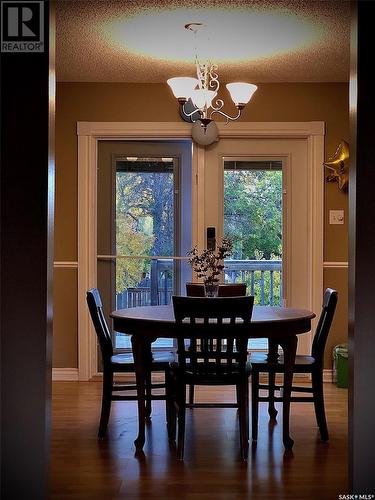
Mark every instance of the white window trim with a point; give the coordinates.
(89, 133)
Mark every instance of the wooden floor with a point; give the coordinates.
(84, 468)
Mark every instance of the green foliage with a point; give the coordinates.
(129, 272)
(137, 205)
(146, 199)
(145, 225)
(253, 212)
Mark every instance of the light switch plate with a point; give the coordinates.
(336, 216)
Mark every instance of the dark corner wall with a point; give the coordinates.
(27, 200)
(361, 254)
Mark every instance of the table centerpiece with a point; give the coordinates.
(209, 264)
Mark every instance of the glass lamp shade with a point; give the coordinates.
(182, 86)
(241, 93)
(202, 97)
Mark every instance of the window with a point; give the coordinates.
(146, 213)
(253, 220)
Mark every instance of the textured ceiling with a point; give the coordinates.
(258, 41)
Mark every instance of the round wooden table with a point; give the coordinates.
(146, 324)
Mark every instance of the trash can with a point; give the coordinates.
(340, 365)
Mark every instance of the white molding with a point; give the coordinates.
(65, 374)
(156, 130)
(87, 237)
(65, 265)
(88, 135)
(199, 197)
(316, 219)
(335, 265)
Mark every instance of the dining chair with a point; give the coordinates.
(212, 350)
(312, 364)
(120, 363)
(225, 290)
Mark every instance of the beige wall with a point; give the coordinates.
(327, 102)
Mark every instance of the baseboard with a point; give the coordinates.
(65, 374)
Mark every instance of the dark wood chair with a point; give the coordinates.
(304, 364)
(225, 290)
(212, 350)
(120, 363)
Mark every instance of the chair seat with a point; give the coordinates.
(208, 378)
(259, 360)
(125, 361)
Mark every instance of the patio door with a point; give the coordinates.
(144, 224)
(256, 192)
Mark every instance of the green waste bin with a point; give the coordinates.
(340, 357)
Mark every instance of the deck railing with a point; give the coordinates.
(263, 279)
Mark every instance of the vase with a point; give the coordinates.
(211, 289)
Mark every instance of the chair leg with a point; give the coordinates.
(254, 404)
(317, 385)
(181, 398)
(272, 412)
(243, 397)
(238, 400)
(148, 396)
(191, 394)
(170, 406)
(106, 402)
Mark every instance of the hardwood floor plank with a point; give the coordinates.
(84, 468)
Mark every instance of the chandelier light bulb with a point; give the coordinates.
(182, 86)
(241, 93)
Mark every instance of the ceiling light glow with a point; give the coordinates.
(235, 36)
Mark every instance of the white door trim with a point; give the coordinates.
(89, 133)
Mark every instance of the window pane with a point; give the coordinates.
(253, 220)
(145, 222)
(145, 207)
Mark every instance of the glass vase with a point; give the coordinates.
(211, 289)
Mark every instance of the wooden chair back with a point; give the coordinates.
(213, 334)
(324, 324)
(225, 289)
(95, 306)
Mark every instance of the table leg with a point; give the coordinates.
(289, 346)
(272, 358)
(142, 361)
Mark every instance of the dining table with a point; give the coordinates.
(145, 324)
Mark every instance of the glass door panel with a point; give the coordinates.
(147, 210)
(144, 225)
(253, 221)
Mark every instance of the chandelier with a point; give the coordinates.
(196, 96)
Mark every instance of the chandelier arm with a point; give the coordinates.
(228, 118)
(219, 104)
(214, 78)
(188, 115)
